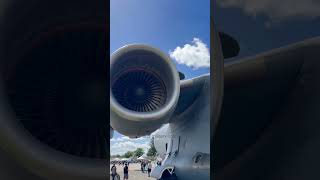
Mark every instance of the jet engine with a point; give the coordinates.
(144, 89)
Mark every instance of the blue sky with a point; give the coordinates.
(180, 28)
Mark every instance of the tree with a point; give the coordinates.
(128, 154)
(152, 152)
(118, 156)
(138, 152)
(115, 156)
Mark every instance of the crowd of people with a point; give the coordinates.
(146, 167)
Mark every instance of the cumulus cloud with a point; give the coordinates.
(124, 144)
(274, 9)
(195, 55)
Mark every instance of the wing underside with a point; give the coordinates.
(270, 103)
(189, 91)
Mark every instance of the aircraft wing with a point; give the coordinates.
(270, 106)
(189, 91)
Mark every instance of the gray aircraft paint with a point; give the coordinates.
(184, 128)
(188, 137)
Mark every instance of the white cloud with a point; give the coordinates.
(276, 10)
(120, 139)
(124, 144)
(195, 55)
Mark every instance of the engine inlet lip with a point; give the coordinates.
(171, 99)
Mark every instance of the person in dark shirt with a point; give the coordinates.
(142, 167)
(149, 165)
(125, 172)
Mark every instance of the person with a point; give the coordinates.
(145, 166)
(149, 168)
(125, 172)
(114, 174)
(142, 166)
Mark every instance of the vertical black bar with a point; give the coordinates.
(216, 81)
(55, 74)
(107, 53)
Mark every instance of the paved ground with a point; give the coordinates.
(134, 172)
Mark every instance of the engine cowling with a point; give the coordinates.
(144, 89)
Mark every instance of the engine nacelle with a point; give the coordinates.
(144, 89)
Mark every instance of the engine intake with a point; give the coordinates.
(144, 89)
(140, 90)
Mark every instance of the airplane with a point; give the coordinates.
(146, 93)
(278, 86)
(264, 108)
(269, 121)
(147, 96)
(270, 115)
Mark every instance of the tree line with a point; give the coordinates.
(152, 152)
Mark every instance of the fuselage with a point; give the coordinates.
(186, 139)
